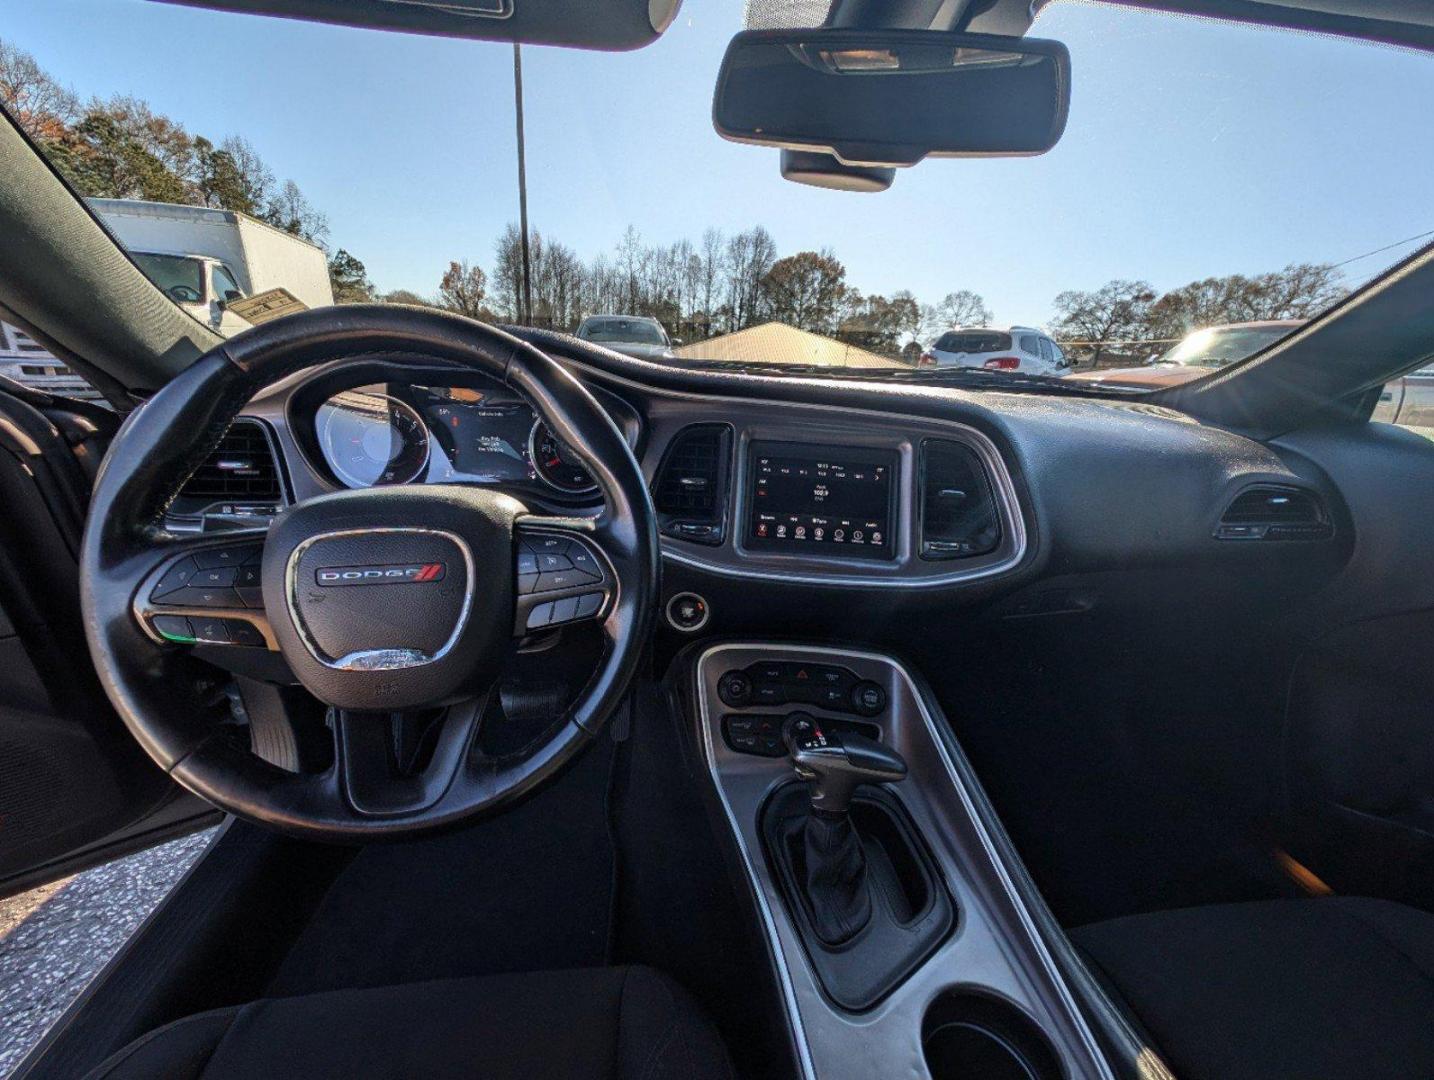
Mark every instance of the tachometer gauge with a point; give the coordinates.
(556, 464)
(370, 439)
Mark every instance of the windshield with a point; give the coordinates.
(1210, 174)
(634, 331)
(1223, 346)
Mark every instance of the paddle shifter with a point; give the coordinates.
(836, 764)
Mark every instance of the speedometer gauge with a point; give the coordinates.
(556, 464)
(370, 439)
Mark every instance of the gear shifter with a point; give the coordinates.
(836, 873)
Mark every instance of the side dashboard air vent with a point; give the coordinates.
(690, 490)
(240, 476)
(959, 518)
(1275, 512)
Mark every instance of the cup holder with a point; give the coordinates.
(966, 1036)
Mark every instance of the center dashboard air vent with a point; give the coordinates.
(690, 489)
(240, 477)
(1275, 512)
(958, 508)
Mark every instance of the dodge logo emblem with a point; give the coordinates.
(391, 574)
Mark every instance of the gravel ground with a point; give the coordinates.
(55, 939)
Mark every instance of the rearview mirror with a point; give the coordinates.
(893, 97)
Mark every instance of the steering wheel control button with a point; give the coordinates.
(735, 688)
(582, 560)
(527, 562)
(561, 579)
(588, 604)
(548, 561)
(540, 616)
(176, 577)
(243, 632)
(226, 556)
(174, 628)
(218, 578)
(527, 583)
(197, 597)
(249, 584)
(209, 630)
(868, 698)
(565, 610)
(687, 612)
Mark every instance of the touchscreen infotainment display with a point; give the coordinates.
(831, 501)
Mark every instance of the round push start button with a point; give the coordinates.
(687, 612)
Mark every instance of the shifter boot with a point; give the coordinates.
(836, 881)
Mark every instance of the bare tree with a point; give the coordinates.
(1118, 310)
(1299, 291)
(290, 210)
(463, 288)
(39, 104)
(750, 255)
(960, 308)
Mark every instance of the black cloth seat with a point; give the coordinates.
(1324, 989)
(591, 1024)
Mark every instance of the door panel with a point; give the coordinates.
(75, 788)
(1359, 724)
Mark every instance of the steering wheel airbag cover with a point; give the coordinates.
(393, 598)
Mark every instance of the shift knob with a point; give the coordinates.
(836, 763)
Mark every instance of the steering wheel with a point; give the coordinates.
(389, 604)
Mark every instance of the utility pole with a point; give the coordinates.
(526, 315)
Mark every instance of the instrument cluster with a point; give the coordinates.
(400, 433)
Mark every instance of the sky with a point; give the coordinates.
(1194, 148)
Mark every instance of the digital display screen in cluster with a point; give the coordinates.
(837, 502)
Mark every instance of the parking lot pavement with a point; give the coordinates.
(55, 939)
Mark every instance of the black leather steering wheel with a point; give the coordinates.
(383, 601)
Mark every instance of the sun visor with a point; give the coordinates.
(583, 24)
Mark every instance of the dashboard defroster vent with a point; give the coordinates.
(690, 490)
(958, 509)
(241, 471)
(1275, 512)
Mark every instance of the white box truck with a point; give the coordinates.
(204, 260)
(207, 259)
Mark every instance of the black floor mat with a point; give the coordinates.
(525, 890)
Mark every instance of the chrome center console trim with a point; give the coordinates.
(996, 950)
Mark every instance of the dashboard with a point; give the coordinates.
(809, 487)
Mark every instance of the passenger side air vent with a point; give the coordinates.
(240, 477)
(1275, 512)
(690, 490)
(958, 508)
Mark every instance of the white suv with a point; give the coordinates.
(1012, 348)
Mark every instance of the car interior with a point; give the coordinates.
(1086, 734)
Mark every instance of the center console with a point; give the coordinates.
(903, 947)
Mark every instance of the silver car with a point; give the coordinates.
(635, 335)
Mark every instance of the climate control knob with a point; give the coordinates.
(868, 698)
(735, 688)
